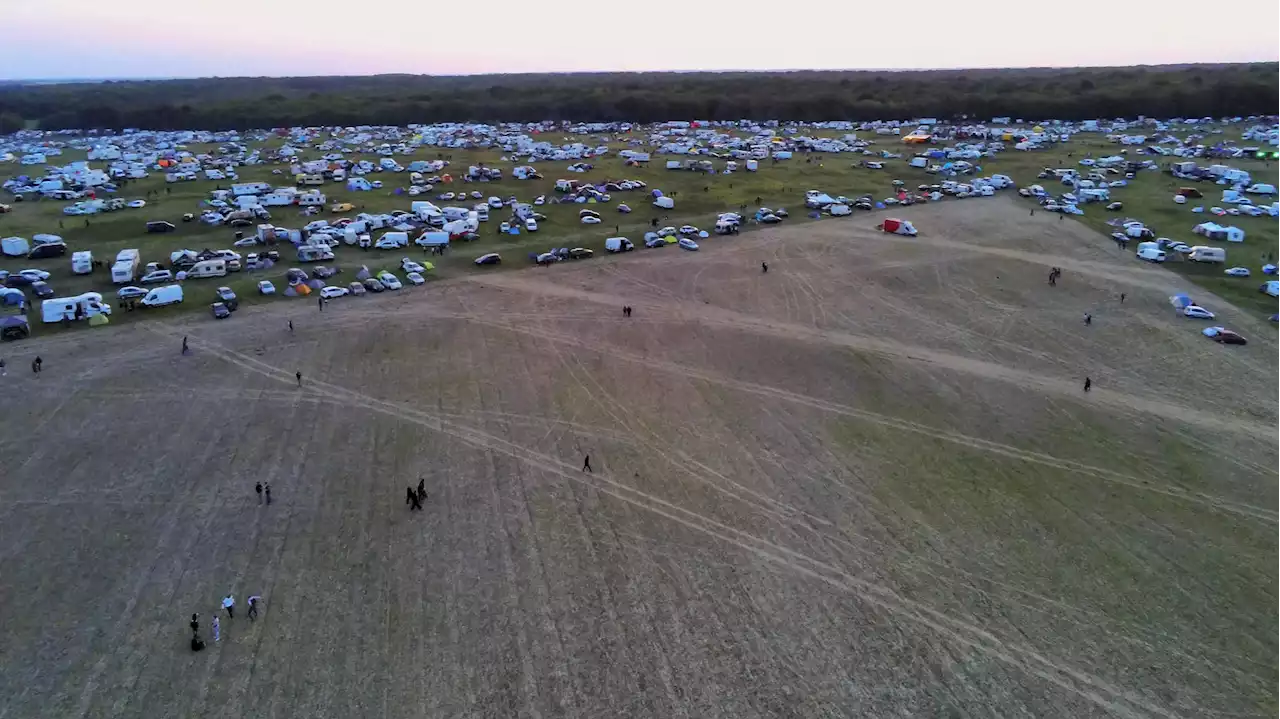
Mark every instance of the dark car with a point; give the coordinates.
(160, 226)
(228, 297)
(1227, 337)
(47, 250)
(220, 311)
(323, 272)
(42, 289)
(373, 285)
(580, 253)
(17, 280)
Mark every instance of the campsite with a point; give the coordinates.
(869, 481)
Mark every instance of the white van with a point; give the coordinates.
(1202, 253)
(161, 296)
(207, 268)
(82, 262)
(618, 244)
(1150, 252)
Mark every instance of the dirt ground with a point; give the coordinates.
(867, 483)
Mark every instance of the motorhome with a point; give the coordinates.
(208, 268)
(314, 253)
(1203, 253)
(309, 179)
(82, 262)
(250, 188)
(81, 307)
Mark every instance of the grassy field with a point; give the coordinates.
(864, 484)
(698, 198)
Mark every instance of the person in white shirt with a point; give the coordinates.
(229, 604)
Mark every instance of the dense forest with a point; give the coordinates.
(229, 103)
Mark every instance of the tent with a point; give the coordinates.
(898, 227)
(98, 320)
(14, 327)
(1179, 301)
(10, 297)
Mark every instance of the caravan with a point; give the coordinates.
(208, 268)
(82, 262)
(81, 307)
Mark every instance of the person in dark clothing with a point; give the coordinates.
(1088, 319)
(1122, 295)
(195, 624)
(185, 349)
(258, 488)
(422, 489)
(586, 464)
(1088, 383)
(1033, 212)
(290, 325)
(409, 497)
(35, 368)
(299, 376)
(764, 268)
(197, 644)
(39, 364)
(320, 303)
(267, 489)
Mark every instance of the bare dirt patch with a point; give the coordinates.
(866, 483)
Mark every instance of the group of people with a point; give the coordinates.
(1054, 274)
(626, 310)
(415, 498)
(215, 626)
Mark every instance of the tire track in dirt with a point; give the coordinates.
(719, 317)
(1092, 689)
(976, 443)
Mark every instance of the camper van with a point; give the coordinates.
(88, 304)
(207, 268)
(161, 296)
(126, 266)
(309, 178)
(1201, 253)
(82, 262)
(314, 253)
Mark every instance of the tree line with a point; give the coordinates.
(1036, 93)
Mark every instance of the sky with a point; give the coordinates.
(54, 39)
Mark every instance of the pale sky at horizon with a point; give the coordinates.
(50, 39)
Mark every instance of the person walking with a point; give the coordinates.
(422, 488)
(267, 489)
(257, 487)
(586, 464)
(320, 303)
(1088, 383)
(764, 268)
(229, 604)
(35, 368)
(185, 349)
(217, 629)
(1088, 319)
(409, 497)
(290, 326)
(254, 601)
(195, 624)
(1121, 302)
(298, 374)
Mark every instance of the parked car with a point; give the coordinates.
(1238, 272)
(688, 244)
(1197, 312)
(492, 258)
(580, 253)
(130, 293)
(356, 289)
(266, 288)
(590, 220)
(373, 285)
(157, 276)
(389, 280)
(228, 297)
(220, 311)
(655, 242)
(42, 289)
(1224, 336)
(333, 291)
(414, 278)
(408, 265)
(323, 272)
(34, 275)
(160, 226)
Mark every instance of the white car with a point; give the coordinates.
(531, 225)
(157, 276)
(246, 242)
(1238, 272)
(332, 291)
(540, 199)
(266, 288)
(34, 275)
(1197, 312)
(505, 228)
(414, 278)
(135, 204)
(389, 280)
(408, 265)
(590, 220)
(495, 203)
(131, 293)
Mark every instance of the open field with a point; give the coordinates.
(866, 484)
(698, 198)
